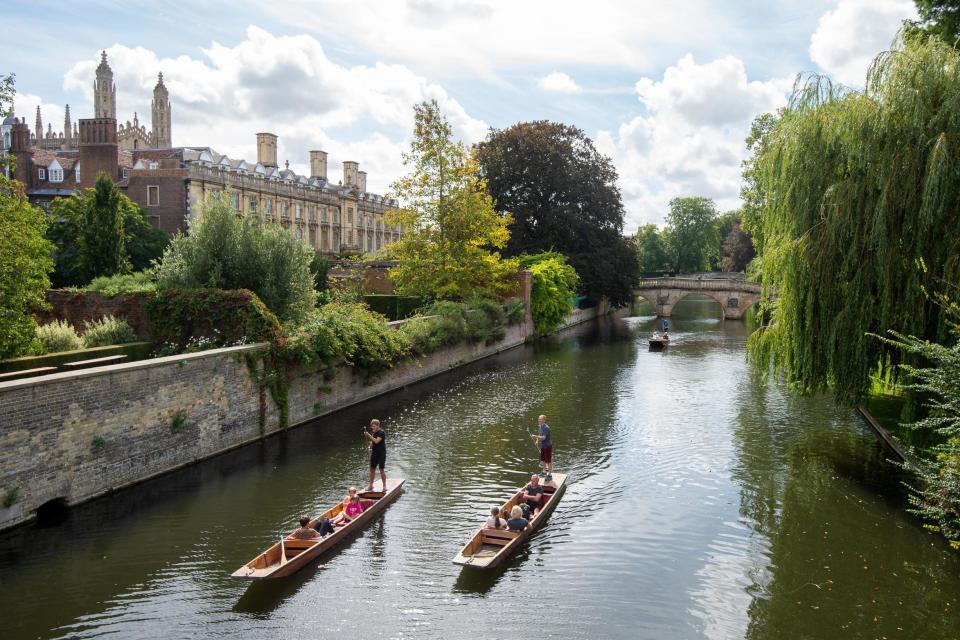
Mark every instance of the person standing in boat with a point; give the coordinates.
(545, 444)
(378, 452)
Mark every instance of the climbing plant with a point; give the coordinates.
(856, 207)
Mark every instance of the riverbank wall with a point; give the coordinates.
(70, 437)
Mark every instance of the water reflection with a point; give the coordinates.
(700, 505)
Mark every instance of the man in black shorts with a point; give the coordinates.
(378, 452)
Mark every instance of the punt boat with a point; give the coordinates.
(290, 555)
(659, 341)
(489, 547)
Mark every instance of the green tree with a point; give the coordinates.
(736, 248)
(223, 251)
(563, 196)
(940, 18)
(143, 243)
(554, 284)
(938, 499)
(24, 265)
(857, 189)
(452, 234)
(691, 234)
(101, 243)
(651, 252)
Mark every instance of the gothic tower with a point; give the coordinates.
(67, 127)
(104, 91)
(38, 127)
(160, 115)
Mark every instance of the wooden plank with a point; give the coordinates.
(87, 363)
(892, 443)
(26, 373)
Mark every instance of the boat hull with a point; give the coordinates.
(470, 554)
(269, 564)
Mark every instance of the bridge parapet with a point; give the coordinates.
(698, 284)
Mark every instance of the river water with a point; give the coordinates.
(701, 504)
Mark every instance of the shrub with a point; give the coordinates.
(346, 331)
(106, 331)
(109, 286)
(513, 310)
(209, 318)
(228, 252)
(444, 323)
(58, 336)
(554, 284)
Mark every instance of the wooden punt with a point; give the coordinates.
(300, 553)
(489, 547)
(659, 342)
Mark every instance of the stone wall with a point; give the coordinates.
(70, 437)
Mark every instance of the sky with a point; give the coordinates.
(666, 89)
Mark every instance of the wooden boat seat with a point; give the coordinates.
(498, 537)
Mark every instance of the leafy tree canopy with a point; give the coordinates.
(563, 196)
(24, 265)
(452, 234)
(691, 234)
(224, 251)
(856, 189)
(940, 18)
(651, 251)
(554, 283)
(142, 243)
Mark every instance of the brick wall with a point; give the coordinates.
(169, 212)
(76, 307)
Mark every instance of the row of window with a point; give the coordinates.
(253, 204)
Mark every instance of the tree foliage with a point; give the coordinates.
(938, 499)
(651, 250)
(24, 265)
(554, 283)
(854, 190)
(101, 243)
(142, 243)
(224, 251)
(452, 234)
(563, 196)
(939, 18)
(737, 250)
(691, 234)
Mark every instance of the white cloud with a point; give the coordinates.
(851, 35)
(286, 85)
(690, 142)
(559, 82)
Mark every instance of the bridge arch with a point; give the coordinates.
(733, 296)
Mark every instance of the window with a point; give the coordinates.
(153, 195)
(284, 209)
(56, 175)
(154, 221)
(235, 200)
(336, 216)
(42, 173)
(270, 206)
(76, 172)
(253, 204)
(296, 211)
(323, 214)
(125, 173)
(312, 212)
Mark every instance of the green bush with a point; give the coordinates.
(444, 323)
(393, 306)
(344, 331)
(106, 331)
(514, 310)
(554, 284)
(109, 286)
(228, 252)
(209, 318)
(58, 336)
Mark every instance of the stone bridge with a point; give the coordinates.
(734, 296)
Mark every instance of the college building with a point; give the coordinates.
(170, 182)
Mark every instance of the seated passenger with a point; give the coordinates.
(533, 494)
(495, 521)
(324, 526)
(517, 522)
(305, 532)
(352, 510)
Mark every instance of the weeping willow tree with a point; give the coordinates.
(856, 200)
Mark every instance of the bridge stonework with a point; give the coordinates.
(734, 296)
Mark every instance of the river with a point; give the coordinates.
(701, 504)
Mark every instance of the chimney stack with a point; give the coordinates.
(350, 173)
(362, 181)
(267, 149)
(318, 164)
(98, 150)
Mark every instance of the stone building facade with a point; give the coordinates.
(169, 183)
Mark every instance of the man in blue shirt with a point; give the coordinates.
(544, 442)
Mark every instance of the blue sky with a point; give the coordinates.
(666, 89)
